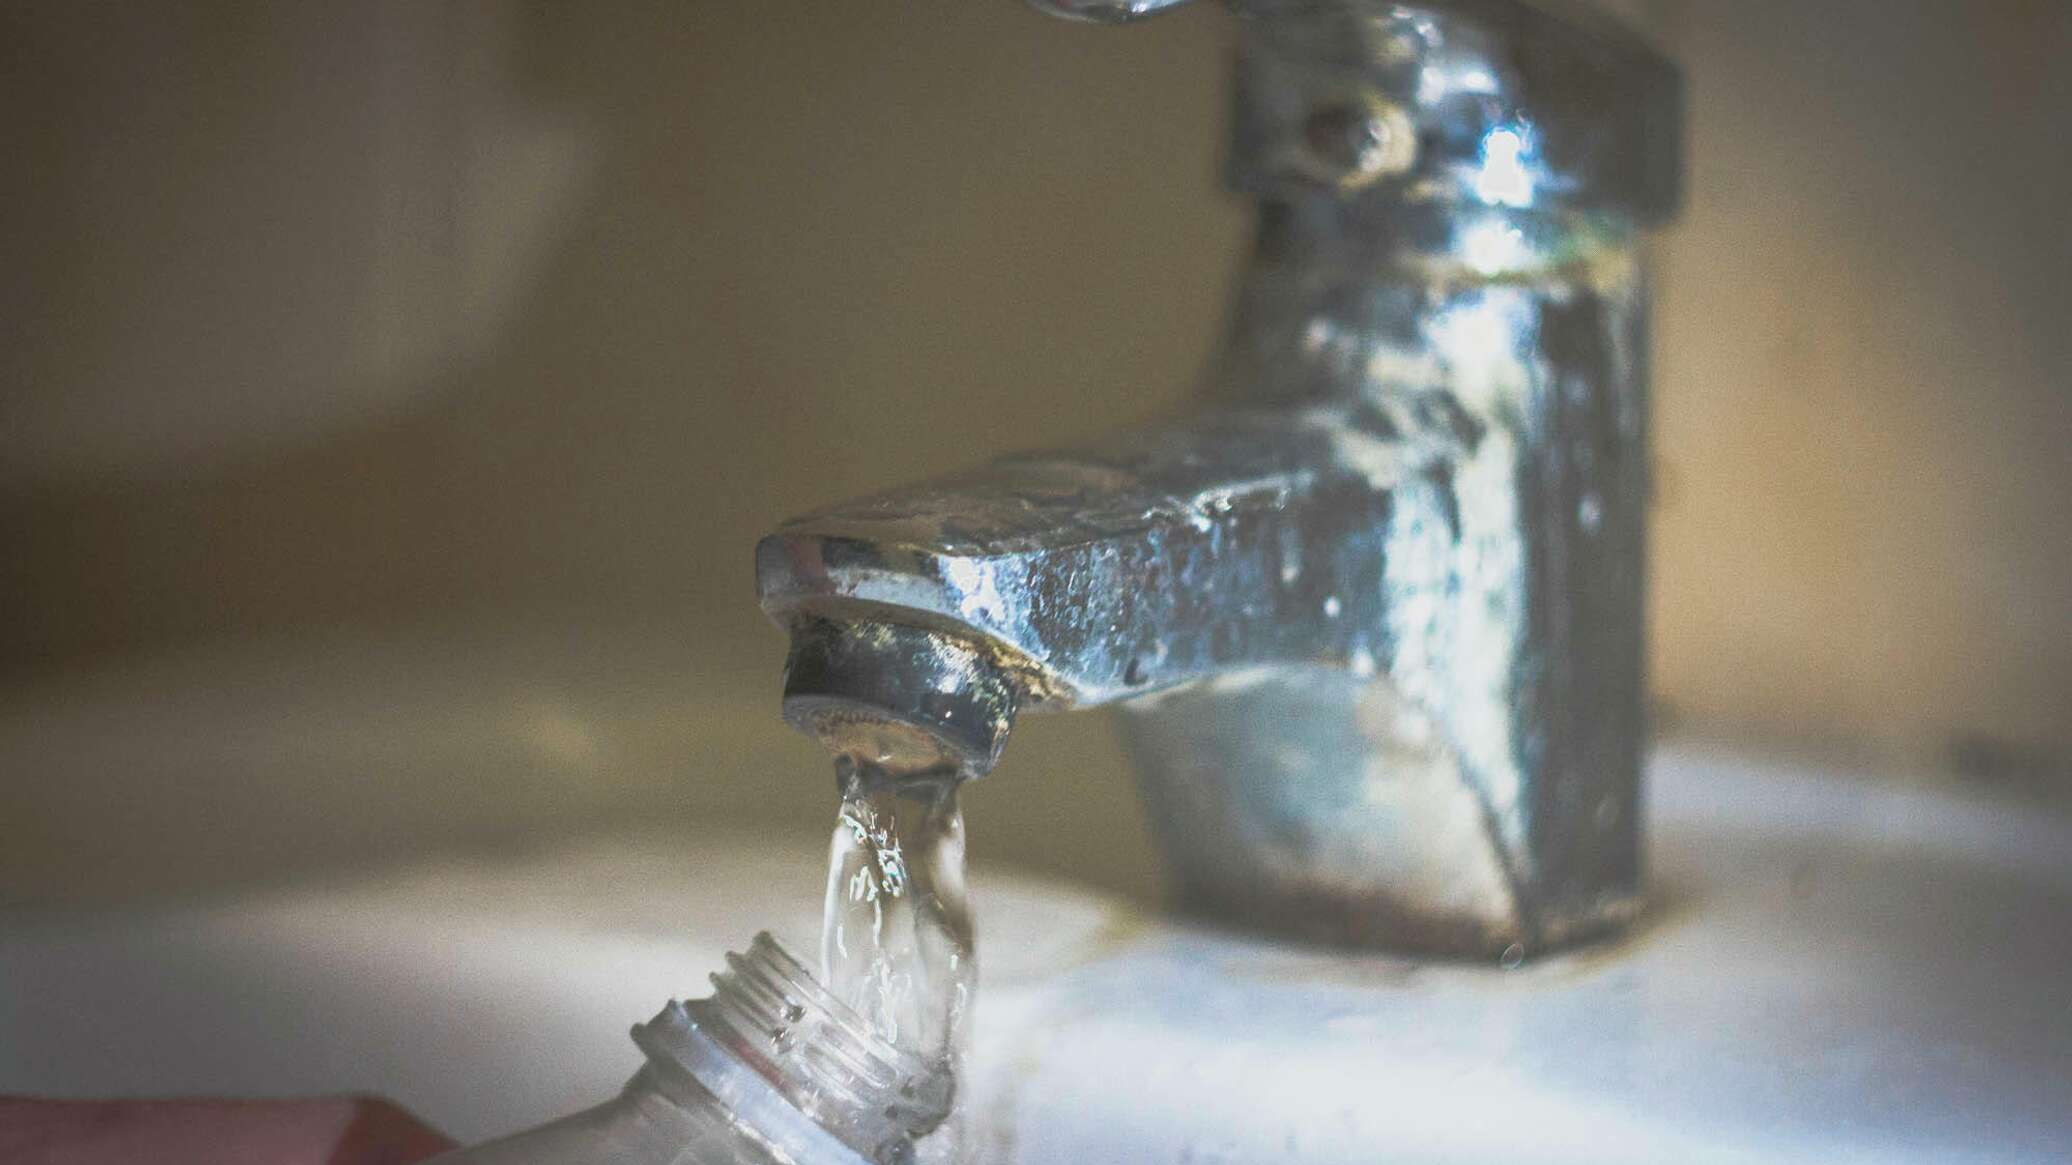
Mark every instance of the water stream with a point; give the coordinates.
(896, 938)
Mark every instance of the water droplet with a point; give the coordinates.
(794, 1013)
(1361, 663)
(1513, 957)
(1332, 607)
(1315, 335)
(1590, 513)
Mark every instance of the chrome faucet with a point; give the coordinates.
(1372, 612)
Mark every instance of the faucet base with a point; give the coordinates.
(1320, 804)
(1326, 916)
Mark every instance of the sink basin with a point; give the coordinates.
(1835, 970)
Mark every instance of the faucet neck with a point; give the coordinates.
(1370, 300)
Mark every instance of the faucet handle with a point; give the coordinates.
(1500, 105)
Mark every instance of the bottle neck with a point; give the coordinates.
(795, 1065)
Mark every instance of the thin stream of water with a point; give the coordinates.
(896, 938)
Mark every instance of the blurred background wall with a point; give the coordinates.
(393, 391)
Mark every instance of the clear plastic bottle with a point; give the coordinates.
(771, 1069)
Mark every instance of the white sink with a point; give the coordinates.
(1836, 970)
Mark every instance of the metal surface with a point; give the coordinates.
(1103, 11)
(1373, 613)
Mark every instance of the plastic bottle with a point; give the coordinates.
(771, 1069)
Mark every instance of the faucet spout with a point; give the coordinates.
(1236, 539)
(906, 699)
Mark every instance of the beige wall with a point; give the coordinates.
(367, 313)
(1866, 378)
